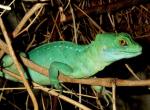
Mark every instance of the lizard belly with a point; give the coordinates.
(39, 78)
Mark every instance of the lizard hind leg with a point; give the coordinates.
(7, 61)
(55, 69)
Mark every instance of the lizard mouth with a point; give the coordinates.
(129, 54)
(137, 50)
(134, 51)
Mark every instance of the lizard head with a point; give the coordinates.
(116, 46)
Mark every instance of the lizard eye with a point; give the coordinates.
(123, 42)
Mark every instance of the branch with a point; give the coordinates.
(107, 82)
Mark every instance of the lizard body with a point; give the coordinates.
(76, 61)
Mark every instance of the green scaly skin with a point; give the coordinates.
(76, 61)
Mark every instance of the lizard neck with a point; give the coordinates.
(97, 52)
(94, 58)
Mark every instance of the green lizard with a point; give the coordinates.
(76, 61)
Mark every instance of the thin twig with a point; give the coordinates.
(11, 103)
(95, 24)
(1, 94)
(26, 17)
(114, 95)
(74, 23)
(132, 72)
(55, 25)
(36, 87)
(12, 53)
(8, 6)
(26, 28)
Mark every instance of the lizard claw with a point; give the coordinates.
(55, 84)
(58, 86)
(101, 91)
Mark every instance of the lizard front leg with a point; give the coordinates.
(55, 69)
